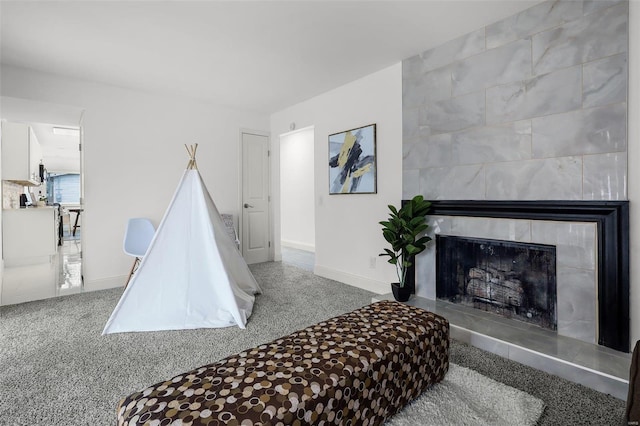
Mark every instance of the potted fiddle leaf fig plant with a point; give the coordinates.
(402, 231)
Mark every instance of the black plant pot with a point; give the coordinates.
(401, 294)
(410, 277)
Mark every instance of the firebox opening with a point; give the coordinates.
(511, 279)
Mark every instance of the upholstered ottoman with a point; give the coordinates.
(357, 368)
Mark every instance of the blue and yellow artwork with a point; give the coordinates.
(352, 161)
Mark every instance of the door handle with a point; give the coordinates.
(246, 206)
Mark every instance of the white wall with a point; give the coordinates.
(348, 236)
(134, 157)
(297, 194)
(634, 169)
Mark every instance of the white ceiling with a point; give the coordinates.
(60, 153)
(254, 55)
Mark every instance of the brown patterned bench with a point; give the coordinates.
(358, 368)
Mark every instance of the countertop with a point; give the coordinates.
(32, 208)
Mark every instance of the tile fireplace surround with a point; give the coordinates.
(591, 237)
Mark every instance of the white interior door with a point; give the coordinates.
(255, 198)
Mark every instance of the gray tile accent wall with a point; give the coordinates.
(535, 179)
(454, 114)
(505, 64)
(545, 94)
(594, 36)
(583, 131)
(452, 51)
(531, 107)
(536, 19)
(604, 81)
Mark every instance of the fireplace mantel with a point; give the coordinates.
(612, 219)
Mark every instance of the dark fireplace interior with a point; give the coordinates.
(512, 279)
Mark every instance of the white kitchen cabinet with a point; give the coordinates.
(29, 235)
(21, 154)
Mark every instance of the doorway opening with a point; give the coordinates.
(53, 212)
(297, 198)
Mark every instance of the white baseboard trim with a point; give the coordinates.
(105, 283)
(27, 261)
(378, 287)
(1, 278)
(298, 245)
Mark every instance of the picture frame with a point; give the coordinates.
(352, 161)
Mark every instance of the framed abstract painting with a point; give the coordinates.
(352, 161)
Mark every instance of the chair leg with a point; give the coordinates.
(75, 225)
(133, 270)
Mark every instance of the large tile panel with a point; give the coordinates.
(496, 66)
(605, 176)
(591, 6)
(454, 50)
(428, 87)
(410, 124)
(426, 273)
(538, 18)
(585, 131)
(577, 295)
(439, 225)
(605, 81)
(490, 228)
(410, 184)
(575, 242)
(452, 183)
(433, 151)
(505, 142)
(454, 114)
(549, 179)
(552, 93)
(592, 37)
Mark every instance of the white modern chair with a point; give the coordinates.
(227, 219)
(137, 237)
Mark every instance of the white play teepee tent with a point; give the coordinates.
(193, 275)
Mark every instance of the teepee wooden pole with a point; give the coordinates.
(191, 150)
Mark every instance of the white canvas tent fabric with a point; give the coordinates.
(193, 275)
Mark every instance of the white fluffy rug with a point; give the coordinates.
(466, 397)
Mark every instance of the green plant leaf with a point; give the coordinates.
(408, 209)
(389, 236)
(411, 249)
(389, 225)
(388, 253)
(420, 228)
(416, 221)
(423, 240)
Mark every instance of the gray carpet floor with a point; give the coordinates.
(56, 368)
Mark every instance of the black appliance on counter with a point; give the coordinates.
(23, 201)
